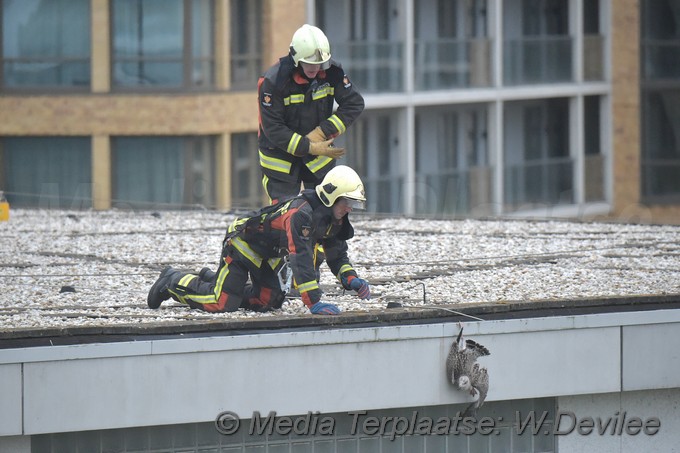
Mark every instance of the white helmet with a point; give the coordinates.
(342, 182)
(310, 45)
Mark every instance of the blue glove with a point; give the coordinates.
(323, 308)
(361, 287)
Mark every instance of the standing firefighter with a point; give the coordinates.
(297, 122)
(259, 245)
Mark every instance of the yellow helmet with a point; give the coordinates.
(310, 45)
(342, 182)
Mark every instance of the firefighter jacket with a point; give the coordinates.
(291, 106)
(294, 227)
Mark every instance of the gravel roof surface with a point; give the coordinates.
(112, 258)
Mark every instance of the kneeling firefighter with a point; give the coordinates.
(261, 244)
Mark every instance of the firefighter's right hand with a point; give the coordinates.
(323, 308)
(325, 148)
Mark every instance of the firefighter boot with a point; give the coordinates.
(159, 291)
(206, 275)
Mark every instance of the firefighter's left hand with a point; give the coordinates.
(317, 135)
(324, 308)
(361, 287)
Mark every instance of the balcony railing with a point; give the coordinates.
(545, 59)
(455, 192)
(452, 63)
(373, 66)
(542, 183)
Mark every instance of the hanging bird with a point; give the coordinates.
(465, 373)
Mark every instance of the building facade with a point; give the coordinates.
(473, 107)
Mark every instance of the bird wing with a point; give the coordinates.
(479, 378)
(475, 350)
(453, 363)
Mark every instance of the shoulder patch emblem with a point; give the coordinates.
(267, 99)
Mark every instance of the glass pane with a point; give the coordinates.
(113, 440)
(373, 66)
(381, 168)
(447, 63)
(537, 60)
(538, 168)
(137, 439)
(169, 73)
(593, 57)
(89, 441)
(661, 39)
(46, 43)
(52, 172)
(184, 435)
(47, 72)
(64, 443)
(41, 443)
(202, 43)
(320, 446)
(246, 43)
(537, 47)
(661, 143)
(451, 161)
(148, 42)
(164, 172)
(246, 176)
(148, 172)
(140, 73)
(202, 28)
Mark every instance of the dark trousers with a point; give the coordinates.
(229, 288)
(278, 190)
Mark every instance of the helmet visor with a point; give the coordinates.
(318, 57)
(354, 204)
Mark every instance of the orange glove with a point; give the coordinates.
(326, 148)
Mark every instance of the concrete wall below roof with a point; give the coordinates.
(160, 382)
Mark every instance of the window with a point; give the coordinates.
(593, 42)
(594, 160)
(661, 39)
(537, 48)
(246, 177)
(452, 168)
(163, 44)
(538, 168)
(660, 100)
(455, 52)
(661, 145)
(374, 152)
(45, 44)
(163, 172)
(47, 172)
(246, 43)
(366, 38)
